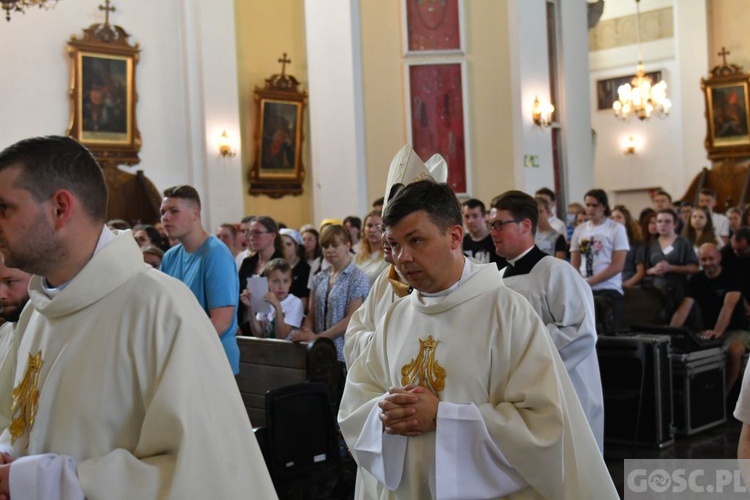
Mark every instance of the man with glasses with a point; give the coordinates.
(598, 249)
(460, 393)
(204, 264)
(557, 293)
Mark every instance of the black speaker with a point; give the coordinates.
(637, 387)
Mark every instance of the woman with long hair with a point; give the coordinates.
(336, 293)
(635, 267)
(310, 243)
(148, 236)
(647, 223)
(263, 239)
(370, 257)
(700, 230)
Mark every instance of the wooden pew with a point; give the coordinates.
(267, 364)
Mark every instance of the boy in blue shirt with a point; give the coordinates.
(203, 263)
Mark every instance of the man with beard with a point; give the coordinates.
(121, 388)
(14, 295)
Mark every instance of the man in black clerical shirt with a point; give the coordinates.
(557, 292)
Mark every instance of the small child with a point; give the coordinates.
(286, 309)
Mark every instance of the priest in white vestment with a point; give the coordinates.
(14, 295)
(557, 293)
(122, 389)
(460, 393)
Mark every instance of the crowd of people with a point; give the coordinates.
(416, 297)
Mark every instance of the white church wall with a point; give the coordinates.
(669, 151)
(336, 109)
(187, 93)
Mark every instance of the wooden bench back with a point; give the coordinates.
(267, 364)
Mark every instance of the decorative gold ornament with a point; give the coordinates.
(26, 399)
(424, 370)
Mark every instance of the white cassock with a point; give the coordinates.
(136, 398)
(564, 301)
(508, 422)
(384, 291)
(7, 368)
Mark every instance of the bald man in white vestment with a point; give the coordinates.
(460, 393)
(122, 389)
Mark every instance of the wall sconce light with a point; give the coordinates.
(541, 113)
(629, 146)
(225, 145)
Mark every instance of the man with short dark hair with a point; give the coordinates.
(204, 264)
(230, 236)
(557, 293)
(557, 224)
(707, 199)
(14, 295)
(718, 295)
(477, 242)
(661, 200)
(121, 384)
(244, 240)
(461, 379)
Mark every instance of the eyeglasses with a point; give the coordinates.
(498, 225)
(254, 234)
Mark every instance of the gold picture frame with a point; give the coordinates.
(727, 98)
(278, 169)
(103, 94)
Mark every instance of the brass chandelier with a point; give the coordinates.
(640, 97)
(21, 5)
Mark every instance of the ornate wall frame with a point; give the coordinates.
(103, 94)
(277, 168)
(727, 112)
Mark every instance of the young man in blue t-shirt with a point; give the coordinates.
(203, 263)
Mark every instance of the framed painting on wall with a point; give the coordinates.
(433, 26)
(727, 112)
(103, 94)
(606, 90)
(437, 119)
(277, 168)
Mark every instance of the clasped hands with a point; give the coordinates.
(409, 411)
(5, 459)
(660, 269)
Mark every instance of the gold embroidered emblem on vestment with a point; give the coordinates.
(26, 399)
(424, 370)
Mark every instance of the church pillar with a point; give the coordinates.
(530, 70)
(693, 63)
(339, 184)
(211, 105)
